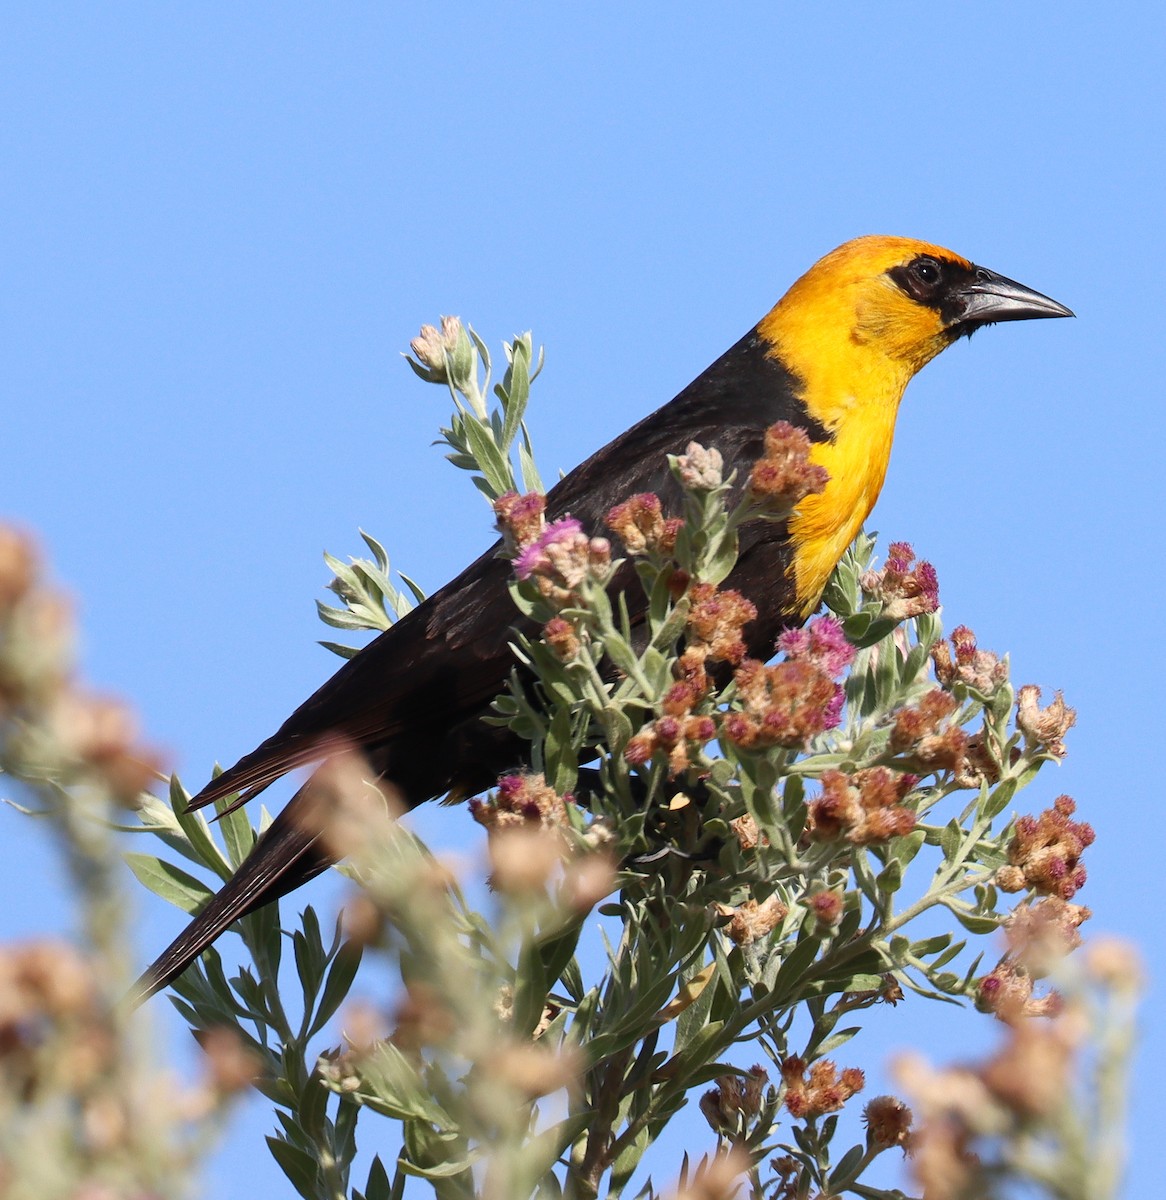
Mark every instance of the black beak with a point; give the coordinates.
(988, 297)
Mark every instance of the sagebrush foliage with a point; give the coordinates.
(761, 841)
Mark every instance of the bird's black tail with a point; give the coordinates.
(287, 855)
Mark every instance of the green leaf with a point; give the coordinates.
(621, 654)
(837, 1039)
(313, 1106)
(846, 1167)
(489, 458)
(168, 881)
(1000, 798)
(337, 985)
(297, 1165)
(974, 924)
(340, 649)
(197, 831)
(904, 849)
(391, 1085)
(951, 952)
(378, 1186)
(794, 966)
(951, 839)
(237, 832)
(517, 393)
(414, 588)
(890, 878)
(931, 945)
(694, 1018)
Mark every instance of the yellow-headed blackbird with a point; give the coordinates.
(833, 357)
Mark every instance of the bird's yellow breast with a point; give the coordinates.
(825, 524)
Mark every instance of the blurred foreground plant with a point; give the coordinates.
(762, 841)
(86, 1110)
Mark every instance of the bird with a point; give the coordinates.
(833, 358)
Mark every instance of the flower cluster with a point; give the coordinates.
(752, 920)
(527, 821)
(734, 1100)
(821, 1090)
(784, 474)
(520, 519)
(436, 350)
(1039, 936)
(1044, 729)
(863, 808)
(1008, 990)
(963, 662)
(558, 557)
(639, 522)
(888, 1122)
(921, 733)
(522, 801)
(1041, 933)
(827, 905)
(677, 734)
(38, 981)
(793, 701)
(700, 470)
(347, 806)
(822, 643)
(716, 617)
(1045, 853)
(1025, 1089)
(54, 721)
(905, 588)
(562, 637)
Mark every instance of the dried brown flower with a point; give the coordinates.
(700, 469)
(639, 522)
(752, 920)
(784, 474)
(906, 588)
(588, 880)
(353, 810)
(431, 345)
(561, 636)
(422, 1018)
(820, 1090)
(864, 808)
(534, 1070)
(783, 705)
(917, 733)
(827, 906)
(734, 1099)
(962, 661)
(1041, 933)
(520, 519)
(521, 801)
(716, 618)
(888, 1122)
(1044, 728)
(1045, 853)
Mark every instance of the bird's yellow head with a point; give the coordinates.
(852, 331)
(891, 304)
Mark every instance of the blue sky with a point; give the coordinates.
(220, 225)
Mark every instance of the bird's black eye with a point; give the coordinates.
(926, 270)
